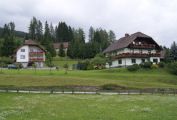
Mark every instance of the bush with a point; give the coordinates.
(83, 65)
(161, 64)
(134, 67)
(6, 60)
(154, 66)
(112, 87)
(172, 68)
(146, 65)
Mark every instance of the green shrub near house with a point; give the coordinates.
(133, 67)
(146, 65)
(172, 68)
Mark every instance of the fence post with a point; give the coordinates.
(17, 90)
(51, 91)
(7, 90)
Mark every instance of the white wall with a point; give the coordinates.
(26, 54)
(128, 61)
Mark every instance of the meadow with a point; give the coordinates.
(87, 107)
(155, 78)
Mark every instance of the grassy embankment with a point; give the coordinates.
(87, 107)
(156, 78)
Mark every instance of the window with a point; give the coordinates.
(143, 60)
(133, 60)
(22, 56)
(22, 50)
(149, 51)
(120, 61)
(155, 60)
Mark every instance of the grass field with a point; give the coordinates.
(156, 78)
(87, 107)
(59, 61)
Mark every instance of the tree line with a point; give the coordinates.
(48, 34)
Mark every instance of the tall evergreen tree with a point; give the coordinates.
(91, 34)
(9, 39)
(32, 28)
(62, 32)
(70, 34)
(52, 32)
(39, 31)
(112, 36)
(173, 51)
(47, 41)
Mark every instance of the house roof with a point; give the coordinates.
(57, 45)
(125, 41)
(31, 43)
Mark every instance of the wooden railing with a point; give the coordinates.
(143, 46)
(64, 91)
(34, 53)
(136, 55)
(36, 59)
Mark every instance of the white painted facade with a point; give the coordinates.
(123, 62)
(30, 54)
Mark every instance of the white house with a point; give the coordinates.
(30, 53)
(133, 49)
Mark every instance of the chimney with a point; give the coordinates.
(127, 35)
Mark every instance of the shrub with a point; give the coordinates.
(146, 65)
(112, 87)
(172, 68)
(109, 87)
(154, 66)
(133, 67)
(6, 60)
(84, 65)
(161, 64)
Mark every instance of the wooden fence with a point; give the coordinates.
(118, 92)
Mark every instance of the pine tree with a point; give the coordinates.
(91, 34)
(112, 36)
(32, 28)
(52, 32)
(9, 39)
(39, 31)
(173, 51)
(47, 41)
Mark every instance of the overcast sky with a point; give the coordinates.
(157, 18)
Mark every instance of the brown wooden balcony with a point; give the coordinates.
(136, 55)
(36, 53)
(142, 46)
(34, 59)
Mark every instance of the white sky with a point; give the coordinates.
(157, 18)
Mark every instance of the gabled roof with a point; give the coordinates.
(31, 43)
(57, 45)
(125, 41)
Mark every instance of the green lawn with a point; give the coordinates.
(157, 78)
(87, 107)
(60, 61)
